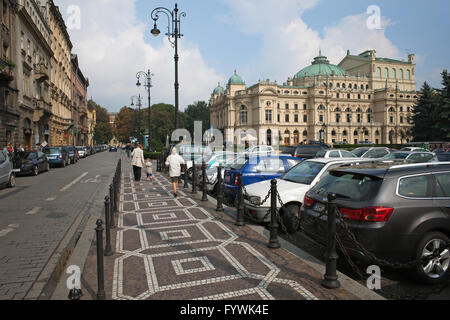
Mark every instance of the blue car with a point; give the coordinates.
(256, 168)
(57, 156)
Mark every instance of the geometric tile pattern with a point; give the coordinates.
(181, 247)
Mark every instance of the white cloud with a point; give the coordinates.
(111, 49)
(289, 44)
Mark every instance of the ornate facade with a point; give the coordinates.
(80, 86)
(363, 99)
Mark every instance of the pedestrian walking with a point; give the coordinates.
(174, 161)
(149, 169)
(137, 161)
(128, 150)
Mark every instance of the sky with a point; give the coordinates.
(260, 39)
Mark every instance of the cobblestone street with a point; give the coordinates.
(170, 248)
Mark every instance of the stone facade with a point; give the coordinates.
(353, 102)
(80, 86)
(9, 113)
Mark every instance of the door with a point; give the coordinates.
(42, 161)
(442, 191)
(4, 168)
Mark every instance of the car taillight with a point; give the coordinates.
(60, 157)
(370, 214)
(236, 181)
(308, 202)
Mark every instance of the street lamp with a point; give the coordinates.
(148, 86)
(139, 104)
(173, 31)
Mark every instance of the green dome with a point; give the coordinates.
(236, 79)
(218, 90)
(320, 66)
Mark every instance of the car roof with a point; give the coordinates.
(380, 169)
(337, 160)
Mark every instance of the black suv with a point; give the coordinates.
(398, 212)
(309, 151)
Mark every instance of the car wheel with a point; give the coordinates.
(11, 181)
(189, 173)
(437, 269)
(36, 171)
(64, 164)
(291, 218)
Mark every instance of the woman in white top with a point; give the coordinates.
(137, 161)
(174, 161)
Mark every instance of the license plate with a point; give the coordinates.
(320, 207)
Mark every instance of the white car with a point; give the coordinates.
(258, 149)
(81, 152)
(413, 149)
(335, 153)
(292, 187)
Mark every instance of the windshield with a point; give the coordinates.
(304, 173)
(360, 151)
(25, 155)
(394, 156)
(350, 186)
(238, 163)
(52, 151)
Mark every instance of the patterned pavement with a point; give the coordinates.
(170, 248)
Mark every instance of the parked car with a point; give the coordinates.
(413, 149)
(309, 151)
(30, 163)
(259, 149)
(372, 153)
(335, 153)
(292, 187)
(73, 154)
(7, 176)
(255, 169)
(441, 157)
(112, 149)
(399, 213)
(211, 174)
(82, 152)
(414, 156)
(290, 150)
(57, 156)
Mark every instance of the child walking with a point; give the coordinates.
(149, 169)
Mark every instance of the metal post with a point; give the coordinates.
(186, 186)
(205, 196)
(240, 203)
(75, 294)
(100, 276)
(112, 210)
(194, 178)
(331, 279)
(108, 250)
(273, 227)
(220, 193)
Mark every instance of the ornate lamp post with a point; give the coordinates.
(139, 104)
(148, 76)
(173, 31)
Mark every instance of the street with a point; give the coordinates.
(40, 220)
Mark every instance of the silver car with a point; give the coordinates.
(7, 176)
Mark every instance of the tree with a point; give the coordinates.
(426, 115)
(198, 111)
(103, 132)
(124, 124)
(443, 123)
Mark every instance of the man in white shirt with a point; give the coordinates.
(174, 161)
(137, 161)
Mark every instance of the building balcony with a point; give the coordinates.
(41, 72)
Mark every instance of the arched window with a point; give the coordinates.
(377, 133)
(305, 133)
(378, 72)
(394, 73)
(333, 133)
(359, 110)
(355, 133)
(321, 107)
(287, 138)
(408, 74)
(343, 85)
(345, 133)
(338, 85)
(337, 109)
(391, 109)
(296, 137)
(362, 87)
(386, 73)
(350, 86)
(400, 74)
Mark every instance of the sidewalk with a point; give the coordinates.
(170, 248)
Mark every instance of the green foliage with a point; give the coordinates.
(103, 132)
(443, 124)
(198, 111)
(426, 115)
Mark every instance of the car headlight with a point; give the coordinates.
(255, 200)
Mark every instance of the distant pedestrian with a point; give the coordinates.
(128, 150)
(174, 161)
(149, 169)
(138, 162)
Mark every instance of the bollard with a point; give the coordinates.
(194, 178)
(100, 276)
(112, 208)
(220, 190)
(331, 279)
(240, 203)
(75, 294)
(273, 227)
(186, 186)
(205, 196)
(108, 250)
